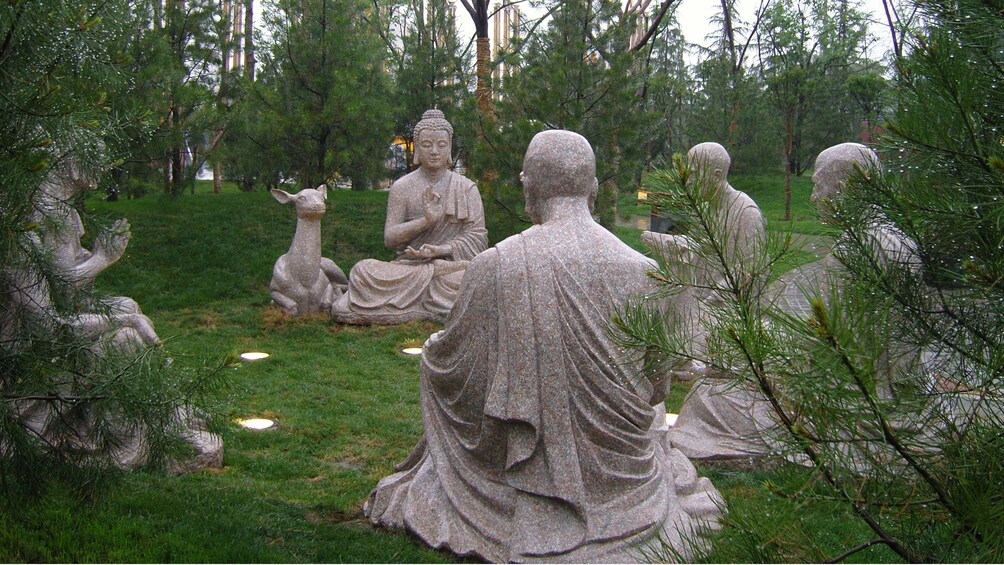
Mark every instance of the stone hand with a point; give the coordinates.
(111, 244)
(144, 327)
(432, 207)
(428, 251)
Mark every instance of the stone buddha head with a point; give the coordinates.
(433, 141)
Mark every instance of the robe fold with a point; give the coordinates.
(539, 441)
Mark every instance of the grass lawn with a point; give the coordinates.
(345, 399)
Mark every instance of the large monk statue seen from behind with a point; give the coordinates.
(435, 223)
(543, 441)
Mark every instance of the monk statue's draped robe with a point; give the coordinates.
(541, 441)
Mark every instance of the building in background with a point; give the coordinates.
(505, 28)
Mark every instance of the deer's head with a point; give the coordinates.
(309, 202)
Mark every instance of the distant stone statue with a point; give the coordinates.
(303, 282)
(731, 213)
(719, 419)
(435, 223)
(542, 442)
(113, 326)
(890, 247)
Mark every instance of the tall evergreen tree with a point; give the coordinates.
(581, 73)
(432, 70)
(328, 94)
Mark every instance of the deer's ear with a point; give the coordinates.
(323, 189)
(282, 196)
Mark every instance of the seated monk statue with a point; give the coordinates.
(889, 247)
(542, 440)
(436, 224)
(719, 420)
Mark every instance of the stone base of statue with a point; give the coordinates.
(129, 447)
(723, 421)
(687, 509)
(397, 292)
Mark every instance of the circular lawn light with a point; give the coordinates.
(412, 351)
(671, 419)
(253, 355)
(256, 424)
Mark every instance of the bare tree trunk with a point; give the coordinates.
(788, 140)
(217, 176)
(483, 91)
(249, 60)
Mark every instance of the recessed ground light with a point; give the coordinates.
(256, 423)
(412, 351)
(253, 355)
(671, 419)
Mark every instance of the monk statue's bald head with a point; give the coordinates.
(558, 163)
(836, 164)
(711, 162)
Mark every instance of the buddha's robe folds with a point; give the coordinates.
(541, 442)
(407, 289)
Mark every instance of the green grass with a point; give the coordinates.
(345, 398)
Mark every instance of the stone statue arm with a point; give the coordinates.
(81, 266)
(93, 325)
(109, 247)
(672, 249)
(472, 239)
(398, 231)
(31, 295)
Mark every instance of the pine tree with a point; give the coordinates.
(889, 395)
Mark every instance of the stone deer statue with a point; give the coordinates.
(303, 282)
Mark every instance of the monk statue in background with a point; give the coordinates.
(543, 441)
(435, 223)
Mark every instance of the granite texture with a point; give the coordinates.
(720, 420)
(304, 282)
(113, 326)
(723, 421)
(889, 246)
(541, 441)
(436, 224)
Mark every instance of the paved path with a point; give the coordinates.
(789, 290)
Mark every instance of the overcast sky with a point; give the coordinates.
(694, 16)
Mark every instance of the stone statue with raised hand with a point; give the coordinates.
(435, 223)
(719, 419)
(60, 236)
(108, 327)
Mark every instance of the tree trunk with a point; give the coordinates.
(483, 91)
(788, 139)
(217, 176)
(249, 60)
